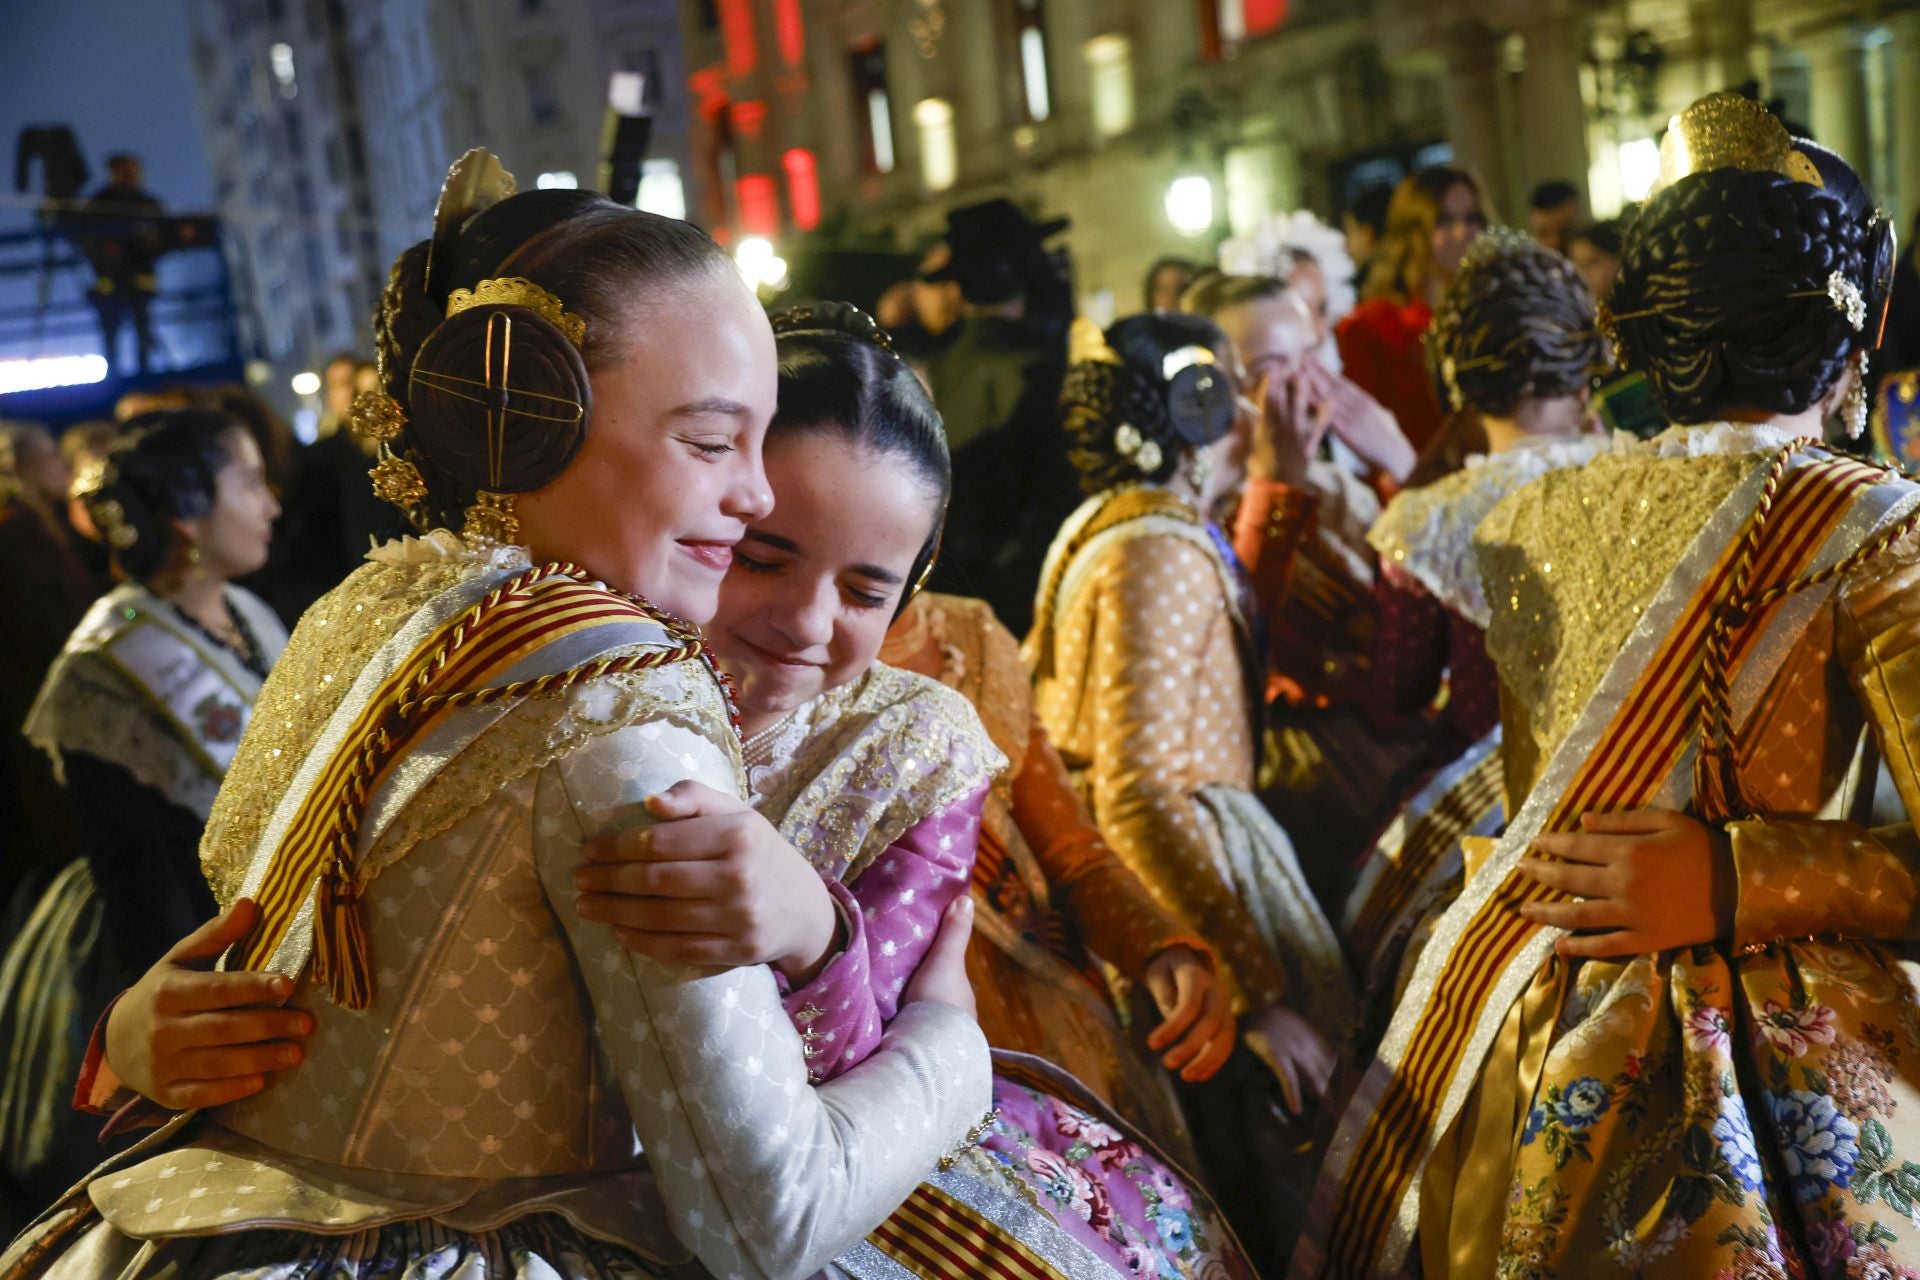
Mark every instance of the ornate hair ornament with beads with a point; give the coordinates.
(1140, 396)
(505, 356)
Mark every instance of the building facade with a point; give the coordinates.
(1159, 126)
(330, 124)
(528, 79)
(285, 144)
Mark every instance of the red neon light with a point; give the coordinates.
(759, 199)
(803, 187)
(1263, 15)
(709, 86)
(736, 27)
(792, 32)
(750, 117)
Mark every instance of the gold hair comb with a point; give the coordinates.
(518, 291)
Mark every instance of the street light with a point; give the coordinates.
(759, 264)
(1639, 167)
(1190, 204)
(306, 382)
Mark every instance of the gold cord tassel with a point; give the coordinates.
(342, 953)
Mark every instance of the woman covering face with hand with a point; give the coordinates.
(586, 389)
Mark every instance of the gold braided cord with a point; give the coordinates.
(342, 954)
(1716, 783)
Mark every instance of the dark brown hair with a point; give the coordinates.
(602, 260)
(1405, 257)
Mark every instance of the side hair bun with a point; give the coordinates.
(498, 397)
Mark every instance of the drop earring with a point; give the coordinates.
(1853, 410)
(1200, 470)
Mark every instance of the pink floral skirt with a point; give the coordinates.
(1108, 1189)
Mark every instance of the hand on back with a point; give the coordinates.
(186, 1036)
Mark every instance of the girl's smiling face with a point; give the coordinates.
(816, 583)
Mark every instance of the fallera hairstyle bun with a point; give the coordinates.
(1723, 299)
(1517, 323)
(1126, 414)
(163, 468)
(594, 261)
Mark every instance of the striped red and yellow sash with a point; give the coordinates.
(938, 1236)
(457, 666)
(1636, 755)
(1432, 837)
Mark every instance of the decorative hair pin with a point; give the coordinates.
(797, 319)
(1184, 358)
(1136, 448)
(1847, 300)
(112, 519)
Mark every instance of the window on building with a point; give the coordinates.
(759, 202)
(939, 155)
(1110, 77)
(1030, 25)
(280, 58)
(803, 187)
(1230, 21)
(661, 190)
(868, 63)
(543, 101)
(790, 31)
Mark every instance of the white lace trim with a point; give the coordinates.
(1707, 439)
(1428, 532)
(444, 546)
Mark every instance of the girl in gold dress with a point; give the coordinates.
(1662, 1031)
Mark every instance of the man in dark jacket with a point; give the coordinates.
(123, 242)
(997, 386)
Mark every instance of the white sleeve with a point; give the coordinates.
(764, 1175)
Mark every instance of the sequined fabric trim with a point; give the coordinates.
(886, 751)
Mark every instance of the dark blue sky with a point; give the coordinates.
(118, 71)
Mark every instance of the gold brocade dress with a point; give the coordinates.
(1145, 681)
(1743, 1110)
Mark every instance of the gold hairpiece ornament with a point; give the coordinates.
(376, 416)
(475, 182)
(1087, 344)
(1731, 131)
(518, 291)
(111, 518)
